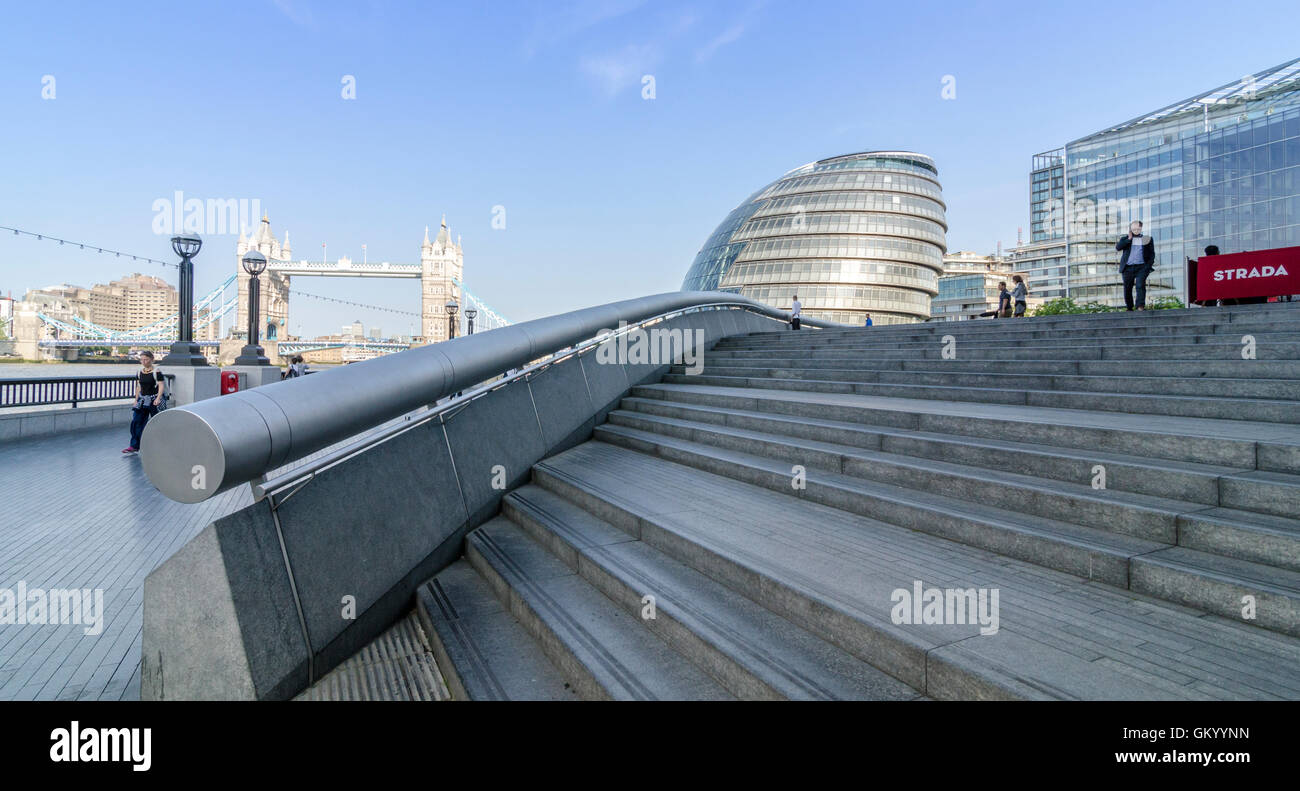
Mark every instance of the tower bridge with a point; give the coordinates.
(440, 272)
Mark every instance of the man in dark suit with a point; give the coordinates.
(1136, 263)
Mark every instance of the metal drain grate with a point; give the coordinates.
(397, 665)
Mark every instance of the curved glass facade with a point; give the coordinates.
(853, 234)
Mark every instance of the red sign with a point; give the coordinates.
(1260, 273)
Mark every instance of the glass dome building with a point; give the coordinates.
(854, 234)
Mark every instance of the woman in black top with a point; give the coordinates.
(148, 397)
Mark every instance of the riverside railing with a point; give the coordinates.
(196, 451)
(74, 390)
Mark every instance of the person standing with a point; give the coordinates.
(795, 310)
(149, 387)
(1137, 260)
(1020, 294)
(869, 322)
(1004, 304)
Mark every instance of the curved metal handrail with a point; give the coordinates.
(196, 451)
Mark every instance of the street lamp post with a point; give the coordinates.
(452, 307)
(252, 353)
(185, 351)
(471, 314)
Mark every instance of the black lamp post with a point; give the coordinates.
(185, 351)
(471, 314)
(252, 353)
(452, 307)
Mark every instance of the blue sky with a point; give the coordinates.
(538, 108)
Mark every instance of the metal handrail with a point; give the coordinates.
(193, 452)
(456, 403)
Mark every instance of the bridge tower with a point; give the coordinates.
(275, 286)
(441, 261)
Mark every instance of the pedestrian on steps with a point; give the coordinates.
(1020, 294)
(795, 310)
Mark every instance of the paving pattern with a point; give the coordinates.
(77, 513)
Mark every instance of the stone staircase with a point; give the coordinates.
(1128, 485)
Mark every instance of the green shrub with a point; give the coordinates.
(1165, 303)
(1062, 306)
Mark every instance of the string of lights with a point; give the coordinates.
(295, 292)
(88, 246)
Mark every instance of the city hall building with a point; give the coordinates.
(1221, 168)
(851, 235)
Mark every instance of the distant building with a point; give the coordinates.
(969, 286)
(1042, 264)
(1220, 168)
(129, 303)
(850, 235)
(442, 262)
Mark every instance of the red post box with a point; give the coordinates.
(229, 382)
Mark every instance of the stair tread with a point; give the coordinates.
(1008, 375)
(1058, 632)
(626, 659)
(986, 442)
(492, 654)
(1241, 402)
(1089, 537)
(1280, 433)
(1244, 573)
(1137, 500)
(791, 660)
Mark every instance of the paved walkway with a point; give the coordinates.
(77, 513)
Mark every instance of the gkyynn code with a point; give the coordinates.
(95, 745)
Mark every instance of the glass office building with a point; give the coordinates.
(854, 234)
(1220, 168)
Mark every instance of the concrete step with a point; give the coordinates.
(838, 574)
(1178, 480)
(1251, 515)
(1071, 350)
(1010, 377)
(1141, 516)
(1184, 369)
(1228, 587)
(1231, 443)
(483, 652)
(1060, 346)
(1245, 535)
(755, 653)
(1255, 533)
(1254, 409)
(601, 648)
(1074, 546)
(1268, 320)
(1021, 329)
(1085, 551)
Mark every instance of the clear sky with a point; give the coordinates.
(538, 108)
